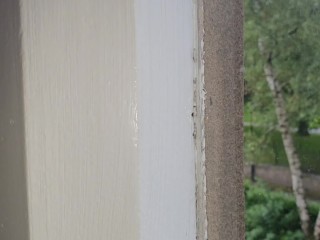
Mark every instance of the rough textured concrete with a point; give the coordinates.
(223, 47)
(13, 200)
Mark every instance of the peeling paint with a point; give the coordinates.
(199, 113)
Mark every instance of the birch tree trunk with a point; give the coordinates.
(317, 228)
(293, 158)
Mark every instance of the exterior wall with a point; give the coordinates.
(80, 119)
(223, 58)
(165, 35)
(96, 126)
(106, 89)
(13, 199)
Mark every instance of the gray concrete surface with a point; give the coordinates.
(223, 75)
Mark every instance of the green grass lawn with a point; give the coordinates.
(272, 151)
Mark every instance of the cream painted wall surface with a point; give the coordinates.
(80, 108)
(164, 33)
(108, 98)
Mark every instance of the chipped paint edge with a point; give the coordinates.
(198, 118)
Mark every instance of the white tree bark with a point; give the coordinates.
(293, 158)
(317, 228)
(294, 161)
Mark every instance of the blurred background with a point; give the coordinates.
(282, 119)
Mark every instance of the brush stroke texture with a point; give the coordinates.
(164, 33)
(79, 90)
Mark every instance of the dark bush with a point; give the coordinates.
(273, 215)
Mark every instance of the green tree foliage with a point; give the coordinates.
(291, 30)
(272, 152)
(272, 215)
